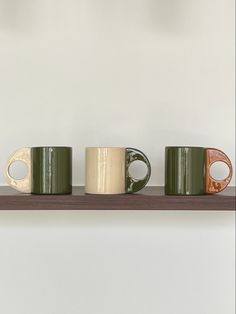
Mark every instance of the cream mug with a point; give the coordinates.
(107, 170)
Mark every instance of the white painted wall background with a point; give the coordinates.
(143, 73)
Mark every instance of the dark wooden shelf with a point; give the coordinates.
(150, 198)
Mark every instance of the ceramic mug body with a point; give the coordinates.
(107, 170)
(49, 170)
(187, 170)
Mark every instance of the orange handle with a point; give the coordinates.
(213, 155)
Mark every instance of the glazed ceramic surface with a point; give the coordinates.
(107, 170)
(187, 170)
(49, 170)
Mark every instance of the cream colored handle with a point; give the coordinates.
(22, 185)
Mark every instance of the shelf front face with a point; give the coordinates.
(150, 198)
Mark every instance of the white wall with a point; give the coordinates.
(141, 73)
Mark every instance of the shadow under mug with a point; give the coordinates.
(49, 170)
(107, 170)
(187, 170)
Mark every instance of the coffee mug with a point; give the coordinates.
(107, 170)
(49, 170)
(187, 170)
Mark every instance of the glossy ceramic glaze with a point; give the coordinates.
(187, 170)
(132, 184)
(213, 155)
(184, 170)
(51, 170)
(24, 184)
(107, 170)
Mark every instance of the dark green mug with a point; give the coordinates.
(187, 170)
(49, 170)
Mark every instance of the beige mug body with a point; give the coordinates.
(106, 170)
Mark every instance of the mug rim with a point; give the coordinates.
(43, 147)
(185, 147)
(105, 147)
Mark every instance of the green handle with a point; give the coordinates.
(132, 184)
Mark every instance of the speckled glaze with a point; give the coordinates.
(22, 185)
(132, 184)
(214, 155)
(187, 170)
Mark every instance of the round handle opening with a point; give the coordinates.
(18, 170)
(219, 170)
(138, 170)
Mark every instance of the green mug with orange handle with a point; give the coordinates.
(187, 170)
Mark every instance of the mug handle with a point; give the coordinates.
(212, 185)
(132, 184)
(22, 185)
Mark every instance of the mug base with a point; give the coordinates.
(63, 193)
(185, 194)
(121, 193)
